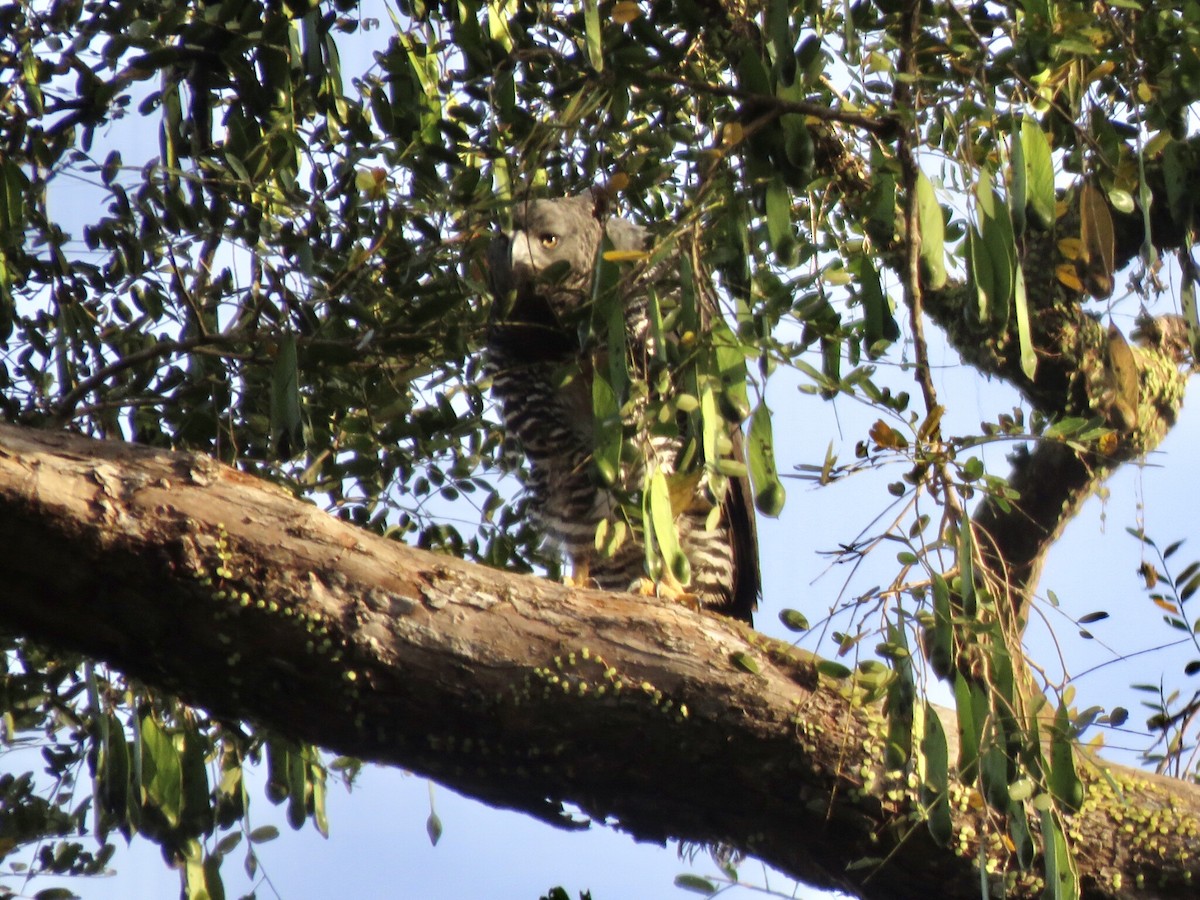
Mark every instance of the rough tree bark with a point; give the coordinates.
(524, 693)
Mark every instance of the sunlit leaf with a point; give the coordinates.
(833, 669)
(1018, 184)
(594, 41)
(607, 433)
(933, 233)
(1069, 276)
(1061, 883)
(769, 493)
(745, 662)
(793, 620)
(979, 268)
(162, 776)
(999, 243)
(1039, 172)
(1064, 781)
(661, 519)
(1024, 334)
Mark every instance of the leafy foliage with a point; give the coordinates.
(291, 280)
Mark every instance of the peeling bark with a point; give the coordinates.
(523, 693)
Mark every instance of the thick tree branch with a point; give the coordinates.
(524, 693)
(1079, 374)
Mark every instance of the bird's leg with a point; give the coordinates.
(667, 586)
(580, 576)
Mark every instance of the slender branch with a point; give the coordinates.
(64, 409)
(883, 126)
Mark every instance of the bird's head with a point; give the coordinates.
(542, 270)
(552, 249)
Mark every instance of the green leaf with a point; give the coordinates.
(1191, 310)
(1061, 883)
(731, 367)
(695, 884)
(214, 886)
(1018, 185)
(979, 269)
(278, 765)
(13, 184)
(831, 669)
(901, 694)
(113, 777)
(941, 649)
(793, 620)
(779, 214)
(878, 322)
(433, 828)
(320, 818)
(745, 662)
(769, 494)
(712, 424)
(1024, 334)
(994, 774)
(661, 519)
(162, 776)
(933, 234)
(381, 109)
(287, 430)
(197, 805)
(608, 312)
(298, 794)
(607, 431)
(1022, 838)
(1121, 201)
(1176, 169)
(779, 31)
(935, 788)
(1039, 172)
(798, 149)
(1064, 781)
(1066, 427)
(1097, 255)
(881, 212)
(966, 567)
(591, 24)
(970, 728)
(1000, 245)
(194, 875)
(263, 833)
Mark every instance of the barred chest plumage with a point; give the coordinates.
(541, 365)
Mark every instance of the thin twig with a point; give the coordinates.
(885, 126)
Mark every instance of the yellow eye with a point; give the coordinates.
(549, 241)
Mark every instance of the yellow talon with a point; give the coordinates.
(670, 588)
(581, 575)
